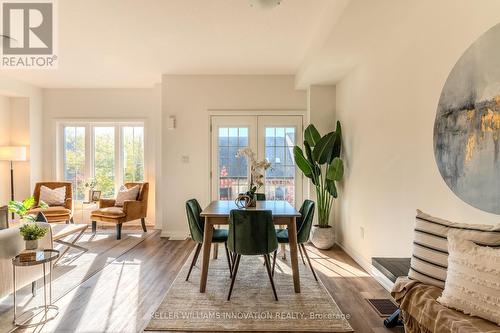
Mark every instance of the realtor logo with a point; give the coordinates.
(28, 31)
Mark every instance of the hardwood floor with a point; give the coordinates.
(122, 297)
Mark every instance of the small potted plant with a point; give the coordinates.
(257, 172)
(323, 165)
(30, 231)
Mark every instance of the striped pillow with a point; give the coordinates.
(429, 261)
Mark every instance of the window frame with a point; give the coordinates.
(90, 126)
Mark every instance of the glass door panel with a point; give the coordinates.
(279, 135)
(271, 138)
(230, 173)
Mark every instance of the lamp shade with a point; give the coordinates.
(13, 153)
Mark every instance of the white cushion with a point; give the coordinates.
(430, 246)
(53, 197)
(473, 279)
(126, 194)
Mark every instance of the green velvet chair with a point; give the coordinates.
(304, 224)
(197, 227)
(251, 232)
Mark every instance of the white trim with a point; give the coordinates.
(174, 235)
(368, 267)
(257, 112)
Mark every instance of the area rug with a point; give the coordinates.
(252, 307)
(75, 268)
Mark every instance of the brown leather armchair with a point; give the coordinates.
(55, 213)
(131, 210)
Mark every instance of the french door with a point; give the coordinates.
(271, 138)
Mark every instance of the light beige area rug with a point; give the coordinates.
(252, 307)
(74, 269)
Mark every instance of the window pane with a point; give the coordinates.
(104, 160)
(133, 153)
(74, 159)
(223, 140)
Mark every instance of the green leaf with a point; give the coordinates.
(331, 188)
(323, 150)
(301, 162)
(42, 204)
(308, 150)
(311, 135)
(16, 207)
(335, 170)
(337, 146)
(29, 202)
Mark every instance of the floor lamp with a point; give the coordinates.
(12, 154)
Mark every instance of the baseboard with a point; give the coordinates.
(174, 235)
(368, 267)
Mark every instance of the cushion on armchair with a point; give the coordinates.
(53, 197)
(115, 212)
(51, 211)
(126, 194)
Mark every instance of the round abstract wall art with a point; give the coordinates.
(467, 126)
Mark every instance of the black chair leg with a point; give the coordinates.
(34, 286)
(301, 255)
(274, 261)
(118, 231)
(309, 261)
(235, 270)
(71, 220)
(143, 224)
(94, 227)
(195, 258)
(268, 267)
(228, 260)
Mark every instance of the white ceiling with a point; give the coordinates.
(130, 43)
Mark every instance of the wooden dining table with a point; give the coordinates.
(217, 213)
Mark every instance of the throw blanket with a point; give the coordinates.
(422, 313)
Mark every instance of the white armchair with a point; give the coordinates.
(11, 244)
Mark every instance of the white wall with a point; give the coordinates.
(25, 128)
(104, 104)
(4, 141)
(189, 98)
(398, 55)
(22, 122)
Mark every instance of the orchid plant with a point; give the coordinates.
(257, 170)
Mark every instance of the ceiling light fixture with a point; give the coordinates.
(264, 4)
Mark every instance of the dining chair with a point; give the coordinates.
(259, 196)
(251, 232)
(304, 224)
(197, 227)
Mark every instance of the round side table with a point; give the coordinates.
(49, 310)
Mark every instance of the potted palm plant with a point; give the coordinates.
(322, 164)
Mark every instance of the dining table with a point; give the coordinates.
(217, 214)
